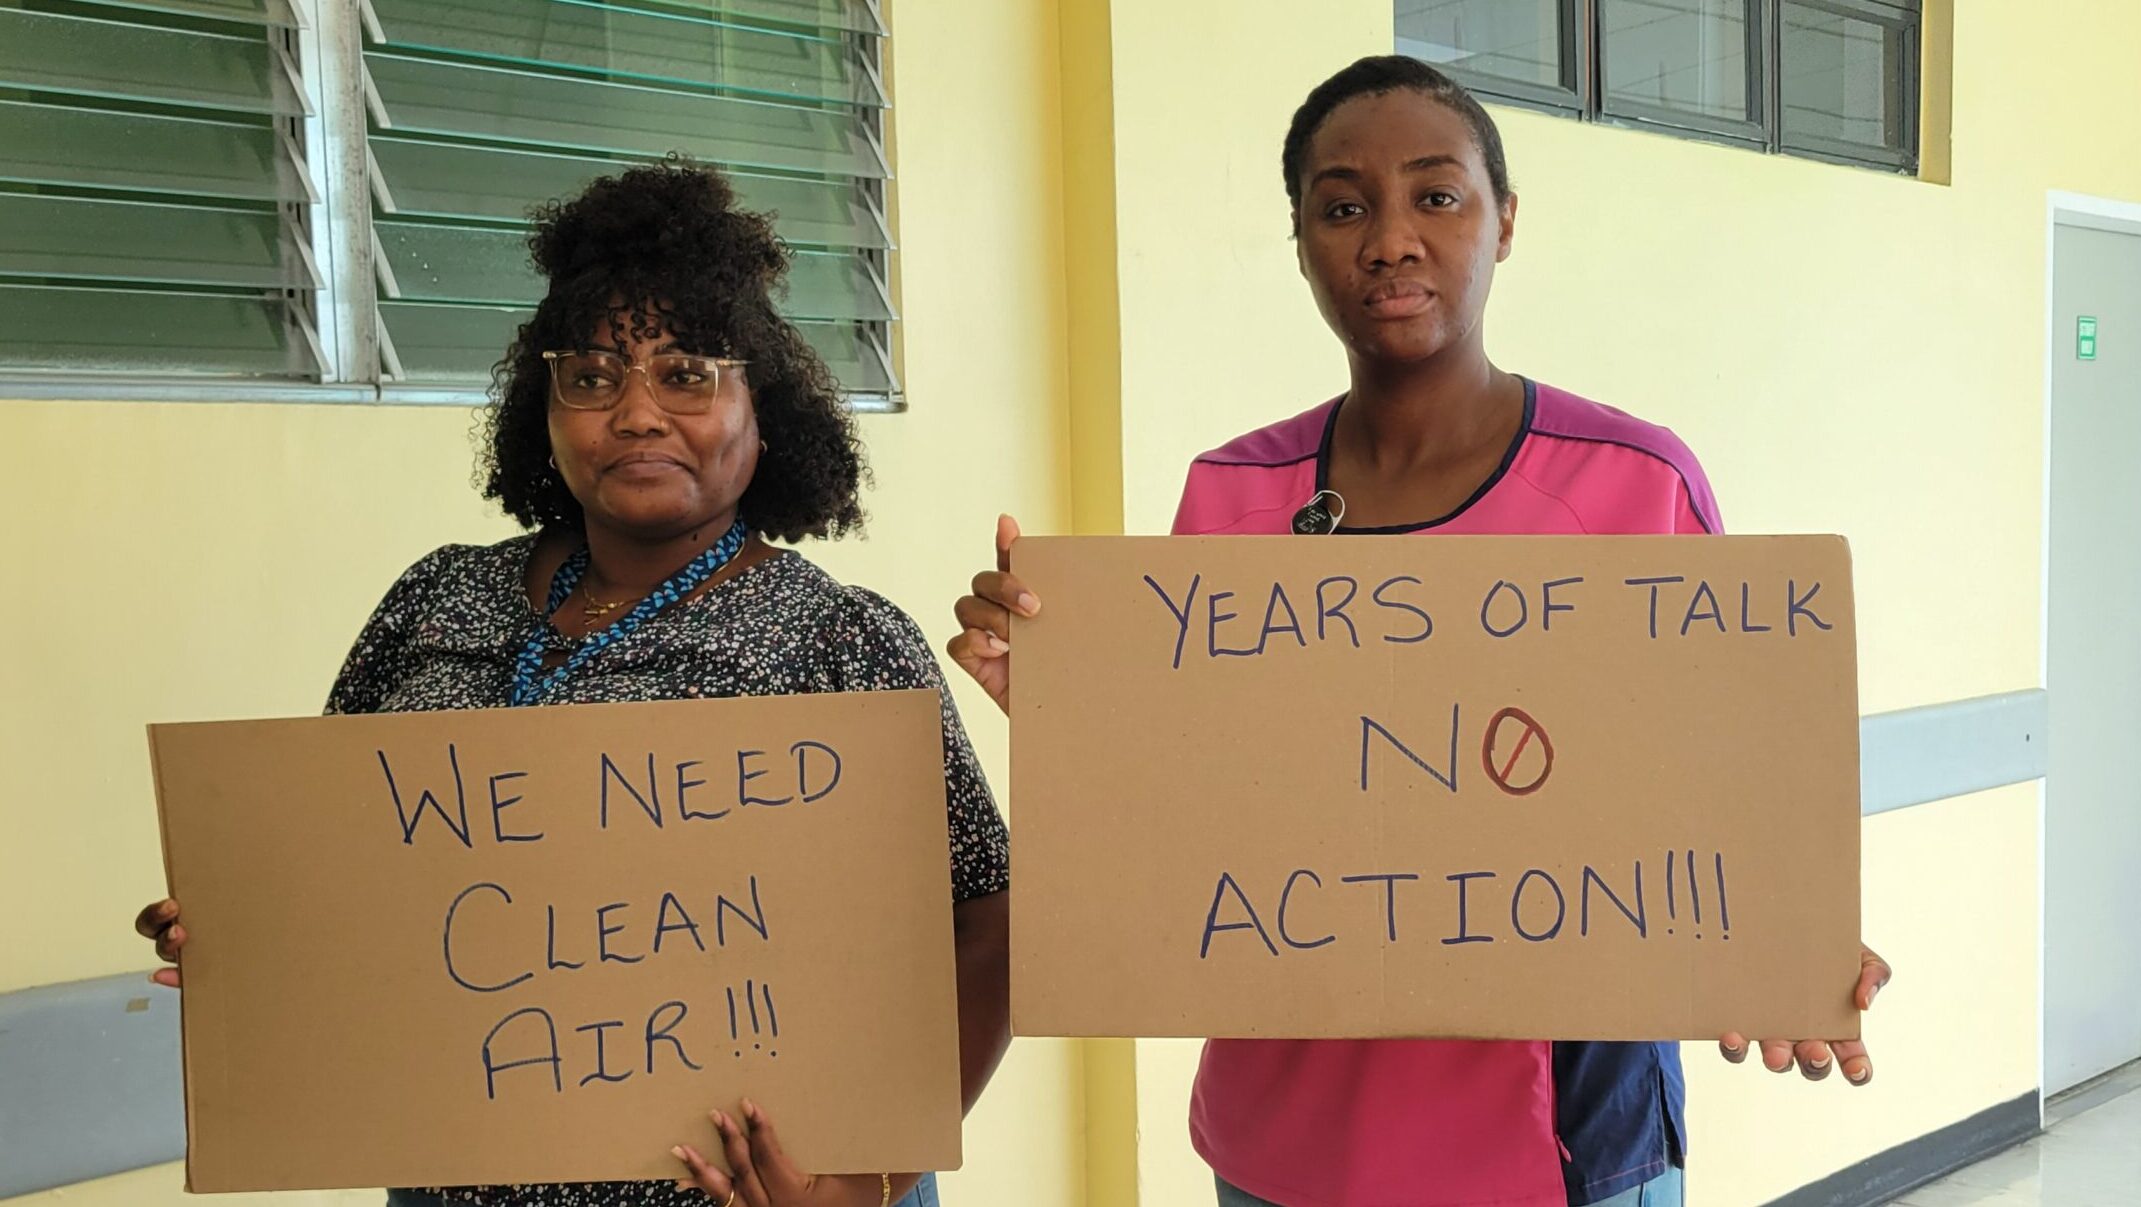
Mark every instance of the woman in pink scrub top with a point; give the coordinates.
(1401, 210)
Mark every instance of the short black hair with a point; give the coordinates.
(669, 243)
(1374, 76)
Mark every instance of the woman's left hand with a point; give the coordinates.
(763, 1176)
(1817, 1058)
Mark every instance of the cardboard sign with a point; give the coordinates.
(540, 944)
(1529, 787)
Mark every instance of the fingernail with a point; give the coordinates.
(1029, 603)
(1823, 1063)
(750, 1109)
(1859, 1078)
(999, 644)
(678, 1153)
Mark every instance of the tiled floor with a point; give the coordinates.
(2090, 1157)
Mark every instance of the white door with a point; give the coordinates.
(2092, 858)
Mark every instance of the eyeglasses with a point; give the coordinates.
(680, 383)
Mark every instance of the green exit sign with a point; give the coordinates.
(2085, 338)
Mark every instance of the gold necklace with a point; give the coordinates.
(595, 609)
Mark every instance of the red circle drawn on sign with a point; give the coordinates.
(1532, 729)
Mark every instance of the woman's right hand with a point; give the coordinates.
(983, 648)
(160, 922)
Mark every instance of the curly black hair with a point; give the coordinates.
(669, 244)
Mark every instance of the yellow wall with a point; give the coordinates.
(193, 561)
(1847, 351)
(1097, 285)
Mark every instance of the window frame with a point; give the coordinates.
(1753, 132)
(1907, 19)
(1577, 65)
(1589, 100)
(329, 54)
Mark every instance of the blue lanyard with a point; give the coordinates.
(527, 688)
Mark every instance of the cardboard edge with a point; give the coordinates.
(1858, 763)
(938, 700)
(1013, 712)
(185, 1046)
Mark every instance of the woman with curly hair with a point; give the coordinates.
(653, 423)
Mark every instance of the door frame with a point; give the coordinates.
(2091, 213)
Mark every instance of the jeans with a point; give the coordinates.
(1662, 1191)
(924, 1194)
(1665, 1190)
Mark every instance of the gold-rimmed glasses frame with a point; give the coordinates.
(680, 383)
